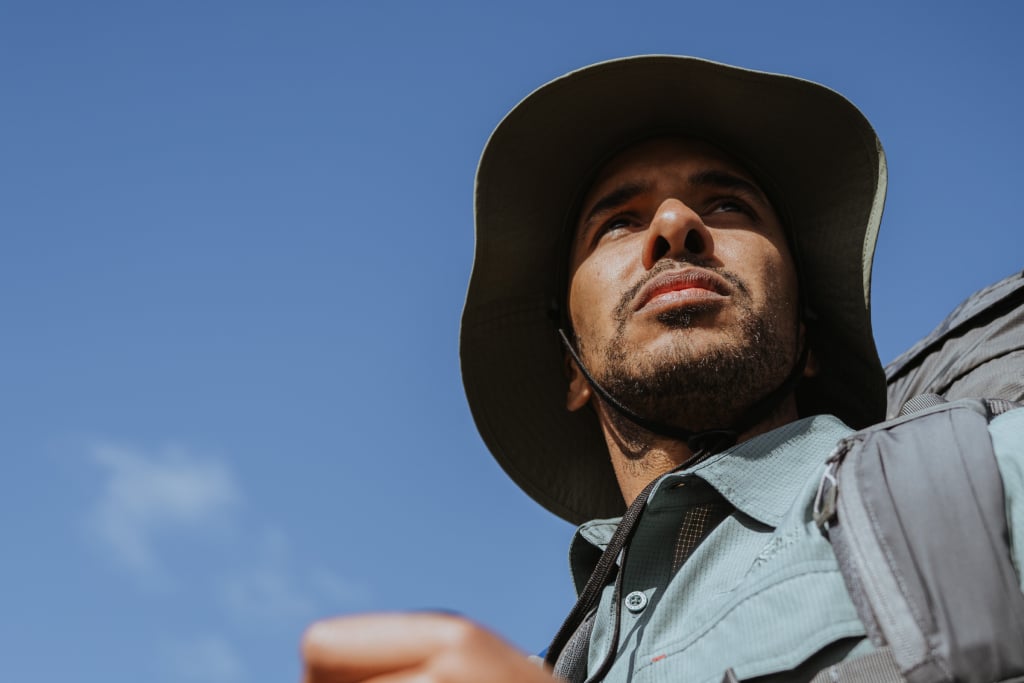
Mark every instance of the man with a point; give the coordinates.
(668, 312)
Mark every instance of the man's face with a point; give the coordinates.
(682, 291)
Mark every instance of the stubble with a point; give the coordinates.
(690, 388)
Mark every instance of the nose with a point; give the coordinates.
(676, 231)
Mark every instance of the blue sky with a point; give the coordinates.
(236, 238)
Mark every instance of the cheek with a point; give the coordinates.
(778, 275)
(580, 303)
(594, 290)
(766, 269)
(756, 254)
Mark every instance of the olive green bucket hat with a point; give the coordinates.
(813, 153)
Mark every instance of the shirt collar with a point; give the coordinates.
(760, 477)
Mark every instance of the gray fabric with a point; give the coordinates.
(921, 536)
(921, 402)
(877, 667)
(977, 351)
(571, 665)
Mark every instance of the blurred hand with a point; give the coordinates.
(412, 648)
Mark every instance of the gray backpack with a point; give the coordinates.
(977, 351)
(915, 511)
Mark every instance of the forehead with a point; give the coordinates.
(657, 158)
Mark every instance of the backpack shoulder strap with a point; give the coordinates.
(915, 512)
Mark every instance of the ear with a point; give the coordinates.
(811, 368)
(578, 393)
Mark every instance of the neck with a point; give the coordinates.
(639, 456)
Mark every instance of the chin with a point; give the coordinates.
(689, 316)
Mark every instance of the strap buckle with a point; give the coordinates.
(828, 491)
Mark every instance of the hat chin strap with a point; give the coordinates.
(709, 440)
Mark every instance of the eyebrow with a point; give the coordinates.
(711, 178)
(728, 181)
(620, 195)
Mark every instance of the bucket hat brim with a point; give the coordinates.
(813, 153)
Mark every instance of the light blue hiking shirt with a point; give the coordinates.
(763, 593)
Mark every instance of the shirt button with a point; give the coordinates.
(636, 601)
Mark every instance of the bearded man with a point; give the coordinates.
(666, 333)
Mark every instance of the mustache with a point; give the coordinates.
(626, 301)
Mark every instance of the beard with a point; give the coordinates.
(699, 389)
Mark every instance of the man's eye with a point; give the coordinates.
(728, 205)
(617, 223)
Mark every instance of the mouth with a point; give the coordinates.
(681, 288)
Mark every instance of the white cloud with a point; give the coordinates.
(267, 593)
(272, 589)
(148, 494)
(204, 659)
(274, 594)
(339, 593)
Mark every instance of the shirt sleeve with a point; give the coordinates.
(1007, 432)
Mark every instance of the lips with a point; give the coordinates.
(680, 287)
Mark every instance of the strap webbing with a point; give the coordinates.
(571, 665)
(876, 667)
